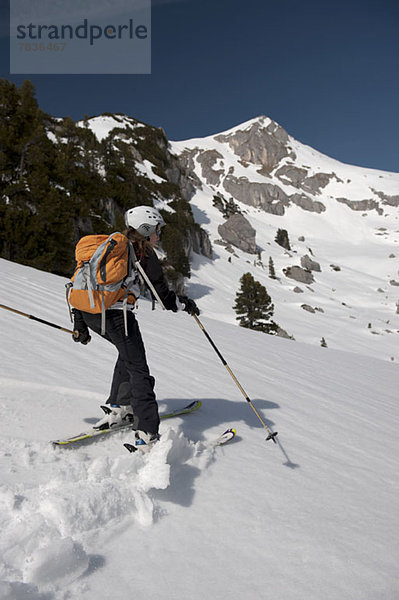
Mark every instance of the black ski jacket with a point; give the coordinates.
(153, 269)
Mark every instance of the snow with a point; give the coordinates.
(351, 298)
(204, 142)
(314, 516)
(364, 245)
(52, 137)
(102, 125)
(146, 168)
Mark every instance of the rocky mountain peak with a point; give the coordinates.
(264, 142)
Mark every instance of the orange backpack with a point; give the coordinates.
(104, 274)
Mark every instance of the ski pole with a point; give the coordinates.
(18, 312)
(271, 434)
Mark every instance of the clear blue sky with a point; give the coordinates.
(328, 72)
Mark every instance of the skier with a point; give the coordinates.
(132, 396)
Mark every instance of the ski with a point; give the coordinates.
(94, 433)
(222, 439)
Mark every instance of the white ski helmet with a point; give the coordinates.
(144, 219)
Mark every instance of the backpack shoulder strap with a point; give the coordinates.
(144, 277)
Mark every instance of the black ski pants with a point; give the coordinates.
(132, 382)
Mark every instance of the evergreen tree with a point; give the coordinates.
(174, 236)
(231, 208)
(254, 306)
(58, 182)
(218, 203)
(272, 272)
(226, 207)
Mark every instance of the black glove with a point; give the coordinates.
(189, 305)
(80, 330)
(83, 337)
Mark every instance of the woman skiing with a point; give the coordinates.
(132, 396)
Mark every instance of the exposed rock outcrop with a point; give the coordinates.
(182, 172)
(292, 175)
(207, 161)
(362, 205)
(308, 308)
(306, 203)
(238, 231)
(299, 274)
(264, 143)
(266, 196)
(283, 334)
(298, 177)
(390, 200)
(197, 240)
(317, 182)
(309, 264)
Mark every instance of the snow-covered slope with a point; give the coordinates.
(312, 517)
(344, 218)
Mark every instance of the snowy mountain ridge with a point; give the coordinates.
(338, 282)
(343, 228)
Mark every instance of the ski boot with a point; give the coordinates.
(115, 415)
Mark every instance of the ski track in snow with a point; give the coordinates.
(314, 516)
(59, 498)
